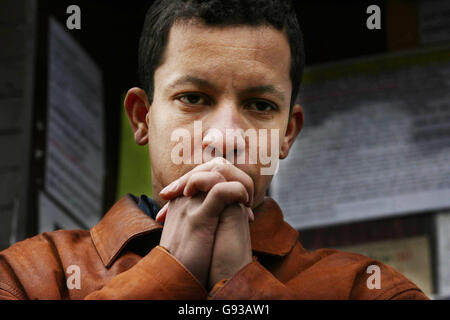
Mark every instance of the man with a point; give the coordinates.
(220, 65)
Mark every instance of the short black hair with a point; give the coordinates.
(162, 15)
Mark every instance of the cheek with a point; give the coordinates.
(164, 169)
(269, 143)
(158, 144)
(161, 124)
(281, 134)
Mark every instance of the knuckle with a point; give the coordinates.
(234, 210)
(218, 176)
(222, 168)
(236, 186)
(241, 187)
(231, 189)
(220, 190)
(195, 177)
(216, 167)
(217, 189)
(195, 216)
(194, 202)
(249, 182)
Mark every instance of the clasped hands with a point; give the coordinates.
(206, 220)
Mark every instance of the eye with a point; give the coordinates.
(192, 98)
(261, 106)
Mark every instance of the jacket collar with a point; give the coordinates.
(125, 221)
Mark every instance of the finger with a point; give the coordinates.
(251, 215)
(172, 190)
(161, 216)
(233, 173)
(224, 167)
(176, 187)
(245, 210)
(223, 194)
(202, 181)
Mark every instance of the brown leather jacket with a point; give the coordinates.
(120, 259)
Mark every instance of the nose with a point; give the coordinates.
(224, 132)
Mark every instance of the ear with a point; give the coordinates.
(294, 127)
(137, 106)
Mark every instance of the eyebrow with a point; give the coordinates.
(250, 90)
(265, 89)
(191, 79)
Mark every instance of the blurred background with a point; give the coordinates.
(370, 172)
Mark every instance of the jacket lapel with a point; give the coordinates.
(270, 234)
(122, 223)
(125, 221)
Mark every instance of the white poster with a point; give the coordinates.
(52, 217)
(74, 171)
(442, 227)
(410, 256)
(376, 141)
(434, 21)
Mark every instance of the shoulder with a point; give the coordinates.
(336, 274)
(39, 262)
(48, 244)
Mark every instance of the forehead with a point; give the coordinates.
(237, 53)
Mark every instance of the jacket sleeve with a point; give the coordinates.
(10, 293)
(404, 290)
(411, 294)
(10, 285)
(159, 275)
(252, 282)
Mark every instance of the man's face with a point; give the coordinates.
(227, 78)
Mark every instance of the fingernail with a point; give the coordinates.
(171, 187)
(158, 215)
(248, 203)
(251, 215)
(161, 211)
